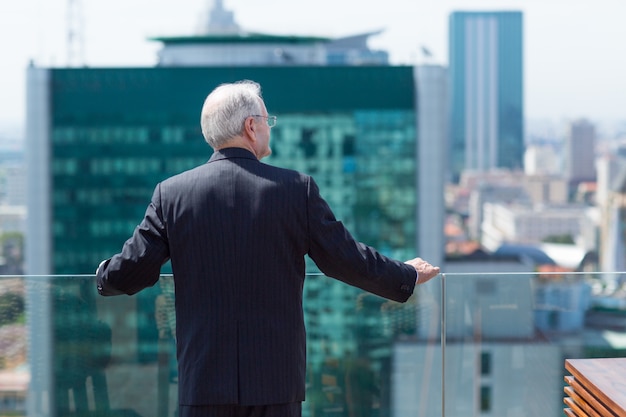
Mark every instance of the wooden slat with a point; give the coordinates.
(605, 378)
(588, 397)
(579, 412)
(569, 412)
(581, 402)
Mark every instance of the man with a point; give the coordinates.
(237, 232)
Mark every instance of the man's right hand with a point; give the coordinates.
(100, 266)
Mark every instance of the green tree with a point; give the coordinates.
(11, 308)
(564, 239)
(12, 250)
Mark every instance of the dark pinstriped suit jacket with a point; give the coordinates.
(237, 232)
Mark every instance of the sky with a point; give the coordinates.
(574, 50)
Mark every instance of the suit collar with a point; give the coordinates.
(227, 153)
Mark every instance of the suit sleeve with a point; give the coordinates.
(138, 265)
(338, 255)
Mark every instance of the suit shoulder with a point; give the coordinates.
(260, 169)
(285, 172)
(185, 175)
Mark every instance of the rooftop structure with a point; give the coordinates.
(221, 42)
(243, 49)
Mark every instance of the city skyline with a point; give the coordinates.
(569, 72)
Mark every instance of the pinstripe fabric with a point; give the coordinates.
(237, 231)
(280, 410)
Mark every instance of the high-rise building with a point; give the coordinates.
(432, 104)
(101, 138)
(611, 200)
(105, 137)
(580, 163)
(486, 81)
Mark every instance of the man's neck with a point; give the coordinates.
(238, 142)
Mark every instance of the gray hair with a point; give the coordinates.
(225, 110)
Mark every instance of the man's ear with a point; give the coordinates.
(248, 127)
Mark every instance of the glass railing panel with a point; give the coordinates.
(507, 336)
(360, 360)
(465, 344)
(77, 353)
(65, 351)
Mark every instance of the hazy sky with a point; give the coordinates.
(574, 50)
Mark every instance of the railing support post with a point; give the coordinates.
(443, 345)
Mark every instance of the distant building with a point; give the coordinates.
(546, 189)
(504, 223)
(580, 153)
(101, 138)
(12, 219)
(106, 154)
(12, 172)
(221, 42)
(218, 20)
(488, 192)
(542, 160)
(503, 186)
(13, 390)
(432, 106)
(12, 184)
(114, 133)
(486, 81)
(268, 50)
(611, 199)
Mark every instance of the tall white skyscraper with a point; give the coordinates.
(486, 81)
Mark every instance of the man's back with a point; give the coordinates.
(237, 232)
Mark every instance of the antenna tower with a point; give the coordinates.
(74, 39)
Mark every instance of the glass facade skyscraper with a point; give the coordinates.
(102, 138)
(486, 81)
(114, 133)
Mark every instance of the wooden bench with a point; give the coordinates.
(596, 387)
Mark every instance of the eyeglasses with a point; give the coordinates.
(271, 120)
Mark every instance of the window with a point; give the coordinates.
(485, 363)
(485, 398)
